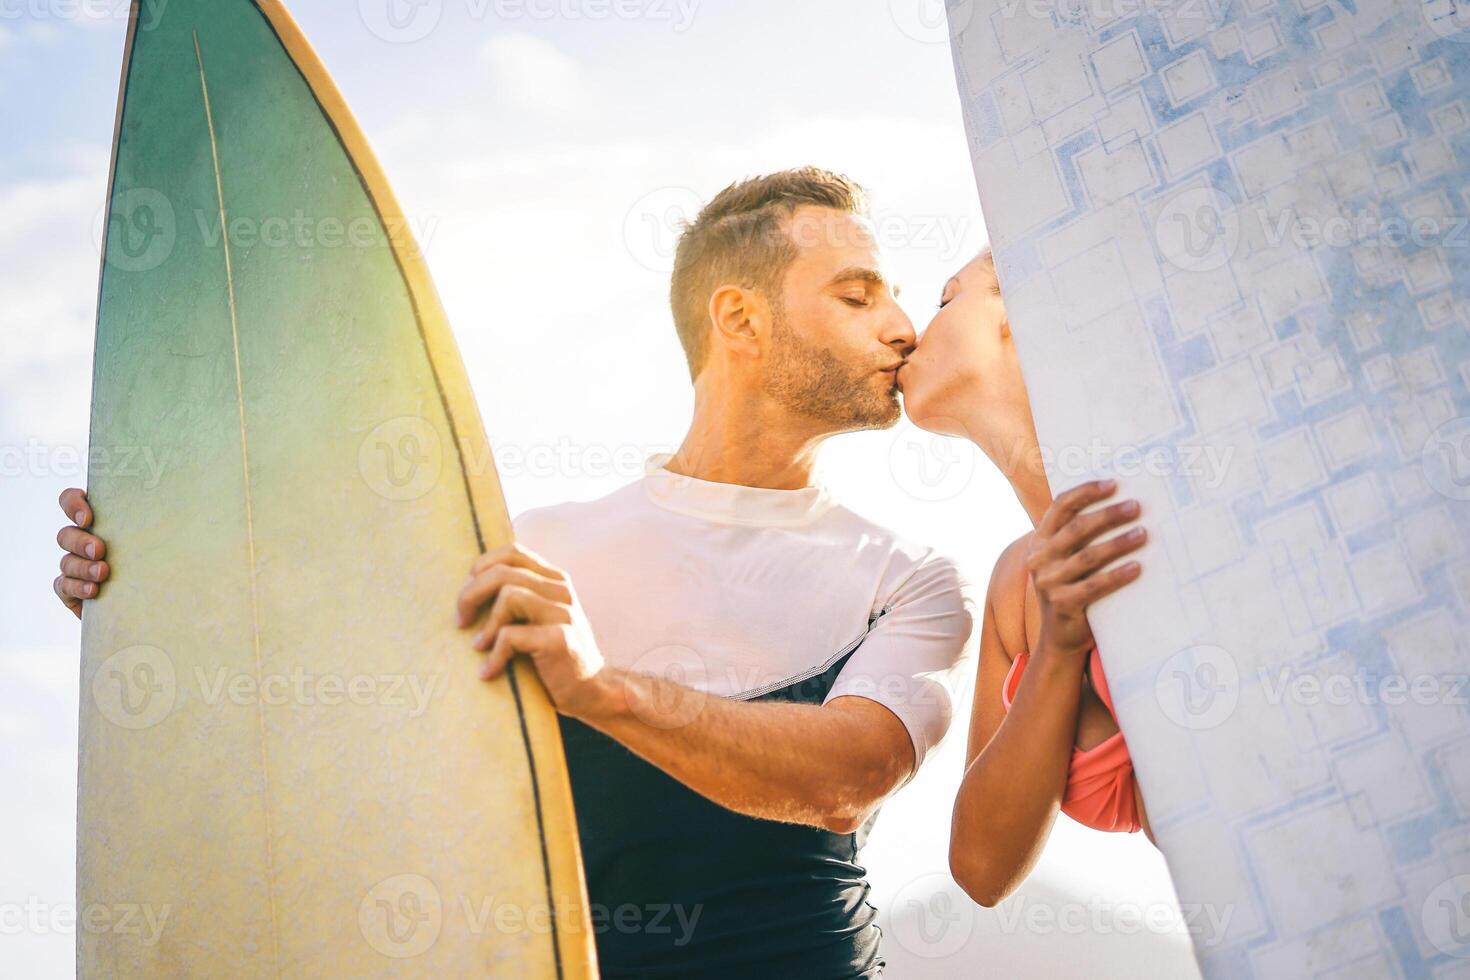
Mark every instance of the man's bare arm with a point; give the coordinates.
(824, 766)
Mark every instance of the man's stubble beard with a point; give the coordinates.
(812, 382)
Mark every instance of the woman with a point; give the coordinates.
(1042, 734)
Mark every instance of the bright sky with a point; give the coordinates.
(542, 150)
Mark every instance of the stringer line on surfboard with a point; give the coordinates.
(219, 190)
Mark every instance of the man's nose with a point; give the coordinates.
(900, 334)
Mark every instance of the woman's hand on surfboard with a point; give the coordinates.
(82, 569)
(1070, 567)
(534, 610)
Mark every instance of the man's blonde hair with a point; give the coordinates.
(739, 238)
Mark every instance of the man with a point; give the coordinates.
(744, 668)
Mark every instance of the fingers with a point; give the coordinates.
(82, 569)
(74, 505)
(68, 600)
(516, 605)
(1068, 504)
(486, 585)
(1050, 553)
(514, 554)
(514, 639)
(1086, 528)
(1100, 555)
(81, 543)
(1084, 593)
(71, 591)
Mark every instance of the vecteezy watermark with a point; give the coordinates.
(140, 230)
(1198, 687)
(1205, 464)
(305, 231)
(1197, 230)
(1205, 923)
(669, 685)
(401, 916)
(38, 918)
(931, 467)
(666, 686)
(61, 460)
(137, 230)
(566, 458)
(928, 920)
(402, 458)
(652, 226)
(929, 22)
(1349, 230)
(1450, 19)
(1445, 916)
(139, 686)
(678, 14)
(401, 21)
(150, 12)
(408, 21)
(136, 687)
(1364, 688)
(1446, 459)
(656, 221)
(508, 917)
(303, 688)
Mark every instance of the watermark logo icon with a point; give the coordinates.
(928, 466)
(138, 231)
(679, 701)
(928, 22)
(401, 916)
(928, 919)
(1446, 459)
(1446, 917)
(654, 223)
(136, 687)
(401, 21)
(1197, 230)
(402, 458)
(1198, 687)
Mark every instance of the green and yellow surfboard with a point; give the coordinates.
(288, 765)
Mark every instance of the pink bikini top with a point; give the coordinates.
(1100, 782)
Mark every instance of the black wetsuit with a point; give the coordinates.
(682, 887)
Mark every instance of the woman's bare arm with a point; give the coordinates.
(1017, 762)
(1016, 767)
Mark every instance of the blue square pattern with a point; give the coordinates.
(1235, 238)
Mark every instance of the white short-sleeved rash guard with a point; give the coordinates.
(741, 591)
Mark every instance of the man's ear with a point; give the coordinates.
(739, 319)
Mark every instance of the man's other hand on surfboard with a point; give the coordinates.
(533, 610)
(82, 569)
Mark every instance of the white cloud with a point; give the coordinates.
(533, 75)
(47, 303)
